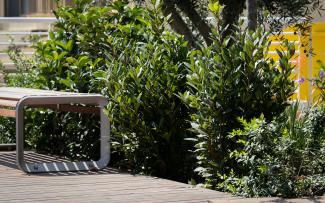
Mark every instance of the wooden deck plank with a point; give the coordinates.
(151, 196)
(135, 193)
(9, 97)
(109, 185)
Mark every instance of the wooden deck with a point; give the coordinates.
(108, 185)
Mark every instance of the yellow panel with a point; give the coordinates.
(318, 27)
(318, 36)
(276, 44)
(304, 64)
(273, 47)
(302, 61)
(290, 37)
(303, 88)
(276, 57)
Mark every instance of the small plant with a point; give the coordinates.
(282, 158)
(25, 69)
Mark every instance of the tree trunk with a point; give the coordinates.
(187, 7)
(177, 22)
(230, 14)
(252, 14)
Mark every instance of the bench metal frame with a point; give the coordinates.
(45, 100)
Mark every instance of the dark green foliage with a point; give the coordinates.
(149, 120)
(283, 158)
(66, 134)
(7, 131)
(127, 54)
(230, 80)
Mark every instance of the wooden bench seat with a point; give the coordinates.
(13, 102)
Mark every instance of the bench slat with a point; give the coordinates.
(62, 107)
(7, 147)
(8, 103)
(8, 113)
(11, 96)
(18, 93)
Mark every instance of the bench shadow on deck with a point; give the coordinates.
(8, 159)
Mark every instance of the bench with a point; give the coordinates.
(13, 102)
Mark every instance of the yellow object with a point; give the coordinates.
(306, 65)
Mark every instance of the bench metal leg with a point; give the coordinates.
(62, 166)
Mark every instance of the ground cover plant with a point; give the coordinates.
(285, 157)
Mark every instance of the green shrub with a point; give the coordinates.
(24, 77)
(148, 118)
(233, 78)
(7, 131)
(285, 157)
(127, 54)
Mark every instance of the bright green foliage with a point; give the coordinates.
(283, 158)
(86, 39)
(125, 53)
(229, 80)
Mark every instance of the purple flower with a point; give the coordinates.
(301, 80)
(321, 74)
